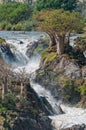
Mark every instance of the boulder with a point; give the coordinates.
(5, 48)
(72, 70)
(22, 123)
(76, 127)
(84, 72)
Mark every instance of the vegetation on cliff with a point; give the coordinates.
(19, 103)
(62, 69)
(63, 65)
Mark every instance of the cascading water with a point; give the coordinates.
(19, 44)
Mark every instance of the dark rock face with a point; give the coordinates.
(59, 72)
(5, 48)
(70, 68)
(31, 47)
(40, 102)
(31, 124)
(76, 127)
(84, 72)
(27, 120)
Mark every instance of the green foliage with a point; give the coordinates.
(44, 54)
(8, 26)
(48, 57)
(2, 109)
(58, 21)
(12, 14)
(3, 25)
(55, 4)
(69, 89)
(51, 56)
(18, 27)
(1, 40)
(9, 102)
(83, 89)
(80, 42)
(76, 54)
(26, 106)
(29, 25)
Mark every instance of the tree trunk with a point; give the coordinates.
(52, 40)
(6, 84)
(3, 92)
(21, 89)
(60, 45)
(67, 40)
(4, 87)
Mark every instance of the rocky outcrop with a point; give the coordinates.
(34, 117)
(62, 75)
(28, 112)
(6, 52)
(36, 47)
(70, 68)
(76, 127)
(84, 72)
(22, 123)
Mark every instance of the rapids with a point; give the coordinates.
(72, 115)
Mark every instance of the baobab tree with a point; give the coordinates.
(5, 77)
(23, 78)
(57, 24)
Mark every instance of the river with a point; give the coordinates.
(19, 42)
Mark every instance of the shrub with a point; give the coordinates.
(83, 90)
(8, 26)
(3, 25)
(9, 102)
(18, 26)
(2, 40)
(69, 89)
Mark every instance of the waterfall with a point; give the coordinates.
(72, 116)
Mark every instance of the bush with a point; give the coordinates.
(18, 26)
(28, 25)
(2, 40)
(83, 90)
(8, 26)
(69, 89)
(3, 25)
(9, 102)
(13, 14)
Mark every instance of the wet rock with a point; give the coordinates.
(72, 70)
(84, 72)
(28, 121)
(21, 123)
(32, 46)
(76, 127)
(5, 48)
(21, 42)
(40, 102)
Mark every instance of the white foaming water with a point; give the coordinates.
(42, 92)
(72, 115)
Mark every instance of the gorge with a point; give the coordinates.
(24, 56)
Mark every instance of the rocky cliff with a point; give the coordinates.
(64, 75)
